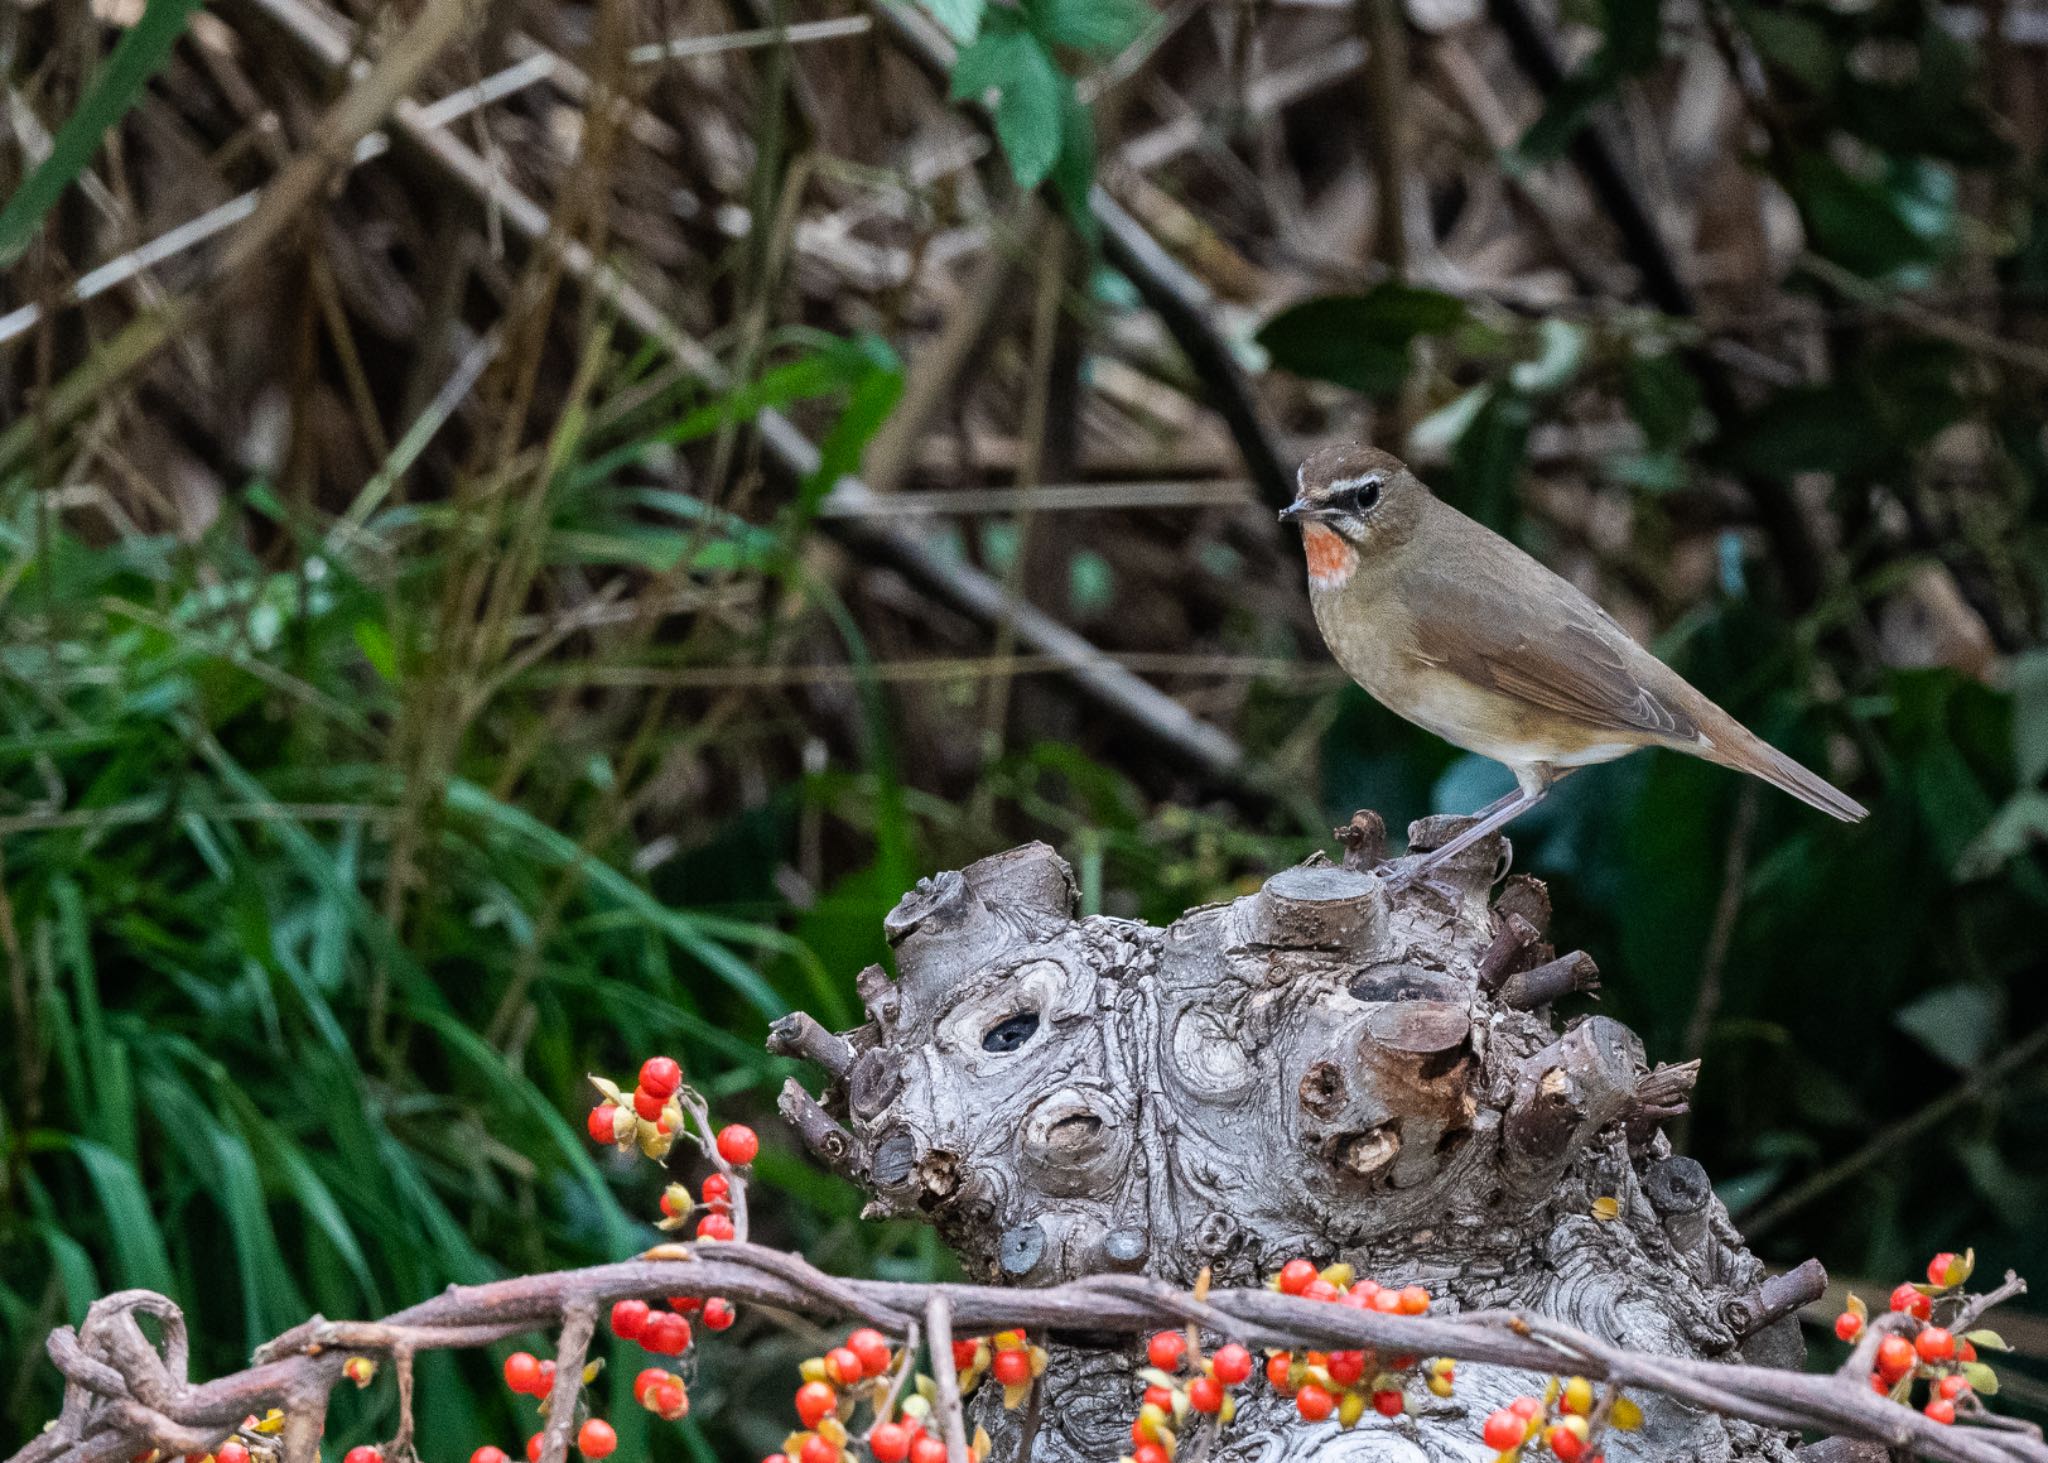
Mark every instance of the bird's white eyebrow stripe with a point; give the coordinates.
(1370, 479)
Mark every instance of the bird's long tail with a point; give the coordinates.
(1747, 752)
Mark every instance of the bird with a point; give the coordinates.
(1454, 628)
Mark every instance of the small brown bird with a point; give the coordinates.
(1451, 626)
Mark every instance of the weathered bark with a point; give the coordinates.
(1321, 1068)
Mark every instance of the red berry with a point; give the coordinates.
(1159, 1397)
(1205, 1394)
(1313, 1402)
(889, 1442)
(363, 1454)
(652, 1376)
(1504, 1430)
(1232, 1363)
(1940, 1265)
(660, 1076)
(874, 1351)
(737, 1145)
(928, 1449)
(647, 1104)
(522, 1372)
(547, 1379)
(1934, 1344)
(1148, 1453)
(234, 1452)
(669, 1401)
(1277, 1369)
(843, 1365)
(1346, 1368)
(595, 1439)
(1877, 1385)
(1012, 1368)
(1912, 1302)
(533, 1449)
(629, 1319)
(814, 1400)
(715, 1227)
(716, 1189)
(719, 1313)
(1414, 1300)
(1965, 1351)
(1526, 1408)
(1166, 1349)
(1565, 1443)
(1895, 1357)
(819, 1450)
(1941, 1410)
(1848, 1325)
(685, 1304)
(485, 1454)
(1320, 1289)
(1295, 1276)
(1387, 1302)
(602, 1124)
(1389, 1403)
(666, 1334)
(964, 1352)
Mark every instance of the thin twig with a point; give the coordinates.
(938, 1327)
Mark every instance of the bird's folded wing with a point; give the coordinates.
(1576, 663)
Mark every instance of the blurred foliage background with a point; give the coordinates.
(427, 676)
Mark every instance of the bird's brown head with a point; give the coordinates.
(1352, 502)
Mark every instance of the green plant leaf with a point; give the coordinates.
(1089, 25)
(2029, 674)
(138, 55)
(1030, 114)
(1957, 1023)
(960, 19)
(1360, 341)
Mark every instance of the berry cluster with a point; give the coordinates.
(1180, 1380)
(529, 1376)
(1919, 1344)
(1346, 1384)
(865, 1368)
(1565, 1421)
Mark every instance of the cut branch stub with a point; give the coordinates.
(1324, 1067)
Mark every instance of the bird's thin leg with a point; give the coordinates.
(1492, 818)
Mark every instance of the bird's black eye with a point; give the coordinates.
(1358, 495)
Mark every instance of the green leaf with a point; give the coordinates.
(1873, 225)
(1987, 1340)
(1663, 398)
(1794, 43)
(1074, 173)
(130, 1219)
(1956, 1023)
(1983, 1381)
(993, 59)
(1359, 341)
(1089, 25)
(2030, 715)
(960, 19)
(1029, 115)
(2013, 831)
(138, 55)
(1633, 29)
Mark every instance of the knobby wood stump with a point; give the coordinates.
(1322, 1068)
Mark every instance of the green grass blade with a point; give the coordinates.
(138, 56)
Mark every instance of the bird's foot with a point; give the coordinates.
(1419, 875)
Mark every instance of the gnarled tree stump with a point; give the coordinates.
(1323, 1068)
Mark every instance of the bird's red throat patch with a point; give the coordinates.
(1330, 559)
